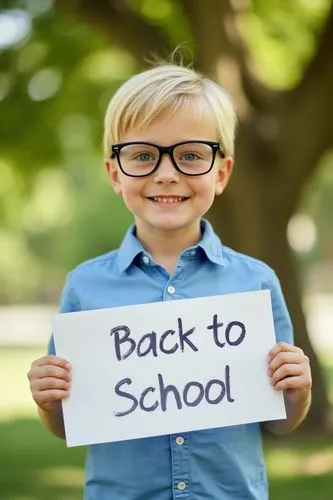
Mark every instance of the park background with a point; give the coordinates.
(60, 62)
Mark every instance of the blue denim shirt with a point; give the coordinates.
(215, 464)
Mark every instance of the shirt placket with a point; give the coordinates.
(180, 454)
(179, 443)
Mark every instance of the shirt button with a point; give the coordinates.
(193, 252)
(181, 485)
(145, 259)
(180, 440)
(171, 289)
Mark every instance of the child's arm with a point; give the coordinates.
(50, 383)
(289, 370)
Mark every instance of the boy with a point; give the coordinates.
(168, 144)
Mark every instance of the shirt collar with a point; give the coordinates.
(209, 243)
(129, 249)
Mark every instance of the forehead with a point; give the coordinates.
(169, 127)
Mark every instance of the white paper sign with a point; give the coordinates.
(168, 367)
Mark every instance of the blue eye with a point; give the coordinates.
(190, 157)
(144, 157)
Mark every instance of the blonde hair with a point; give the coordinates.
(166, 88)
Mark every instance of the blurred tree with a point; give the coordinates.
(273, 57)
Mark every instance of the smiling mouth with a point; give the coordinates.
(168, 199)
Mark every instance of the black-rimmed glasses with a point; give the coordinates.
(139, 159)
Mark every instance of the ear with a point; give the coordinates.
(113, 174)
(223, 174)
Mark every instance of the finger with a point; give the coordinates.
(45, 384)
(283, 347)
(52, 360)
(298, 383)
(40, 372)
(53, 372)
(50, 396)
(285, 358)
(286, 371)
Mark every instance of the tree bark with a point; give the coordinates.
(252, 217)
(119, 21)
(266, 239)
(306, 120)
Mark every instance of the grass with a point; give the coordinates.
(300, 469)
(34, 465)
(37, 466)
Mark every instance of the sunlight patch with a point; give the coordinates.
(318, 463)
(285, 463)
(282, 463)
(19, 412)
(62, 476)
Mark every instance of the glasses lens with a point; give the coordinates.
(138, 159)
(193, 158)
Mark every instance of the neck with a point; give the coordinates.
(166, 246)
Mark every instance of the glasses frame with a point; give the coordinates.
(116, 150)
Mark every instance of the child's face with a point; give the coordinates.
(168, 201)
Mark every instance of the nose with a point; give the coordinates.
(166, 171)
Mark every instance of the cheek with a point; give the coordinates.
(131, 191)
(207, 187)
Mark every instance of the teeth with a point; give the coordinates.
(169, 199)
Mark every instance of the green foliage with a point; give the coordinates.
(283, 37)
(167, 15)
(56, 207)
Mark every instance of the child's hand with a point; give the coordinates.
(49, 382)
(289, 369)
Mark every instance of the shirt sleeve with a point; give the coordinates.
(69, 302)
(282, 321)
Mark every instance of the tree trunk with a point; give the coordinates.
(250, 217)
(282, 259)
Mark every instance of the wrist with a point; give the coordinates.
(299, 398)
(50, 413)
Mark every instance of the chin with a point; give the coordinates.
(172, 224)
(169, 226)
